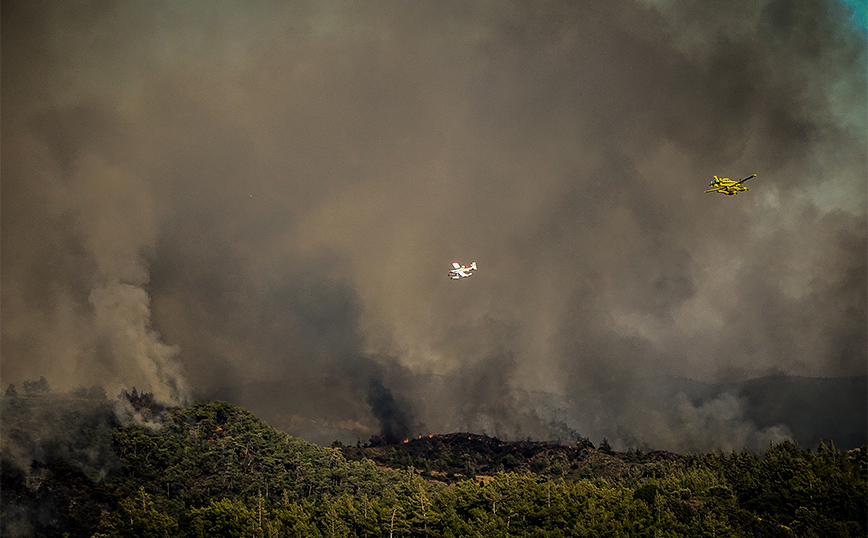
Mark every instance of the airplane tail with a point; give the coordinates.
(473, 265)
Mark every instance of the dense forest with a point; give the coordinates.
(81, 465)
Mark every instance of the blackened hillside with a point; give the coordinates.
(455, 456)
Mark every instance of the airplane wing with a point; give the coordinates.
(456, 265)
(723, 188)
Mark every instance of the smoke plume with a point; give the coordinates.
(258, 202)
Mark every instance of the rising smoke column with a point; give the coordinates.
(78, 225)
(110, 340)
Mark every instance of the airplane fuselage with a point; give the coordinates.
(728, 186)
(459, 271)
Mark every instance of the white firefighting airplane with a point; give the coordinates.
(461, 271)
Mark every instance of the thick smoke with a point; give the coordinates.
(258, 202)
(388, 412)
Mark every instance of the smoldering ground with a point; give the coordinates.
(207, 200)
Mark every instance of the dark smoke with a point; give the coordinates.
(258, 203)
(394, 425)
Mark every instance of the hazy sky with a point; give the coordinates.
(259, 201)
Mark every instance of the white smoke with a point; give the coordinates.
(122, 318)
(720, 423)
(115, 220)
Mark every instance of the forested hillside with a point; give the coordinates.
(216, 470)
